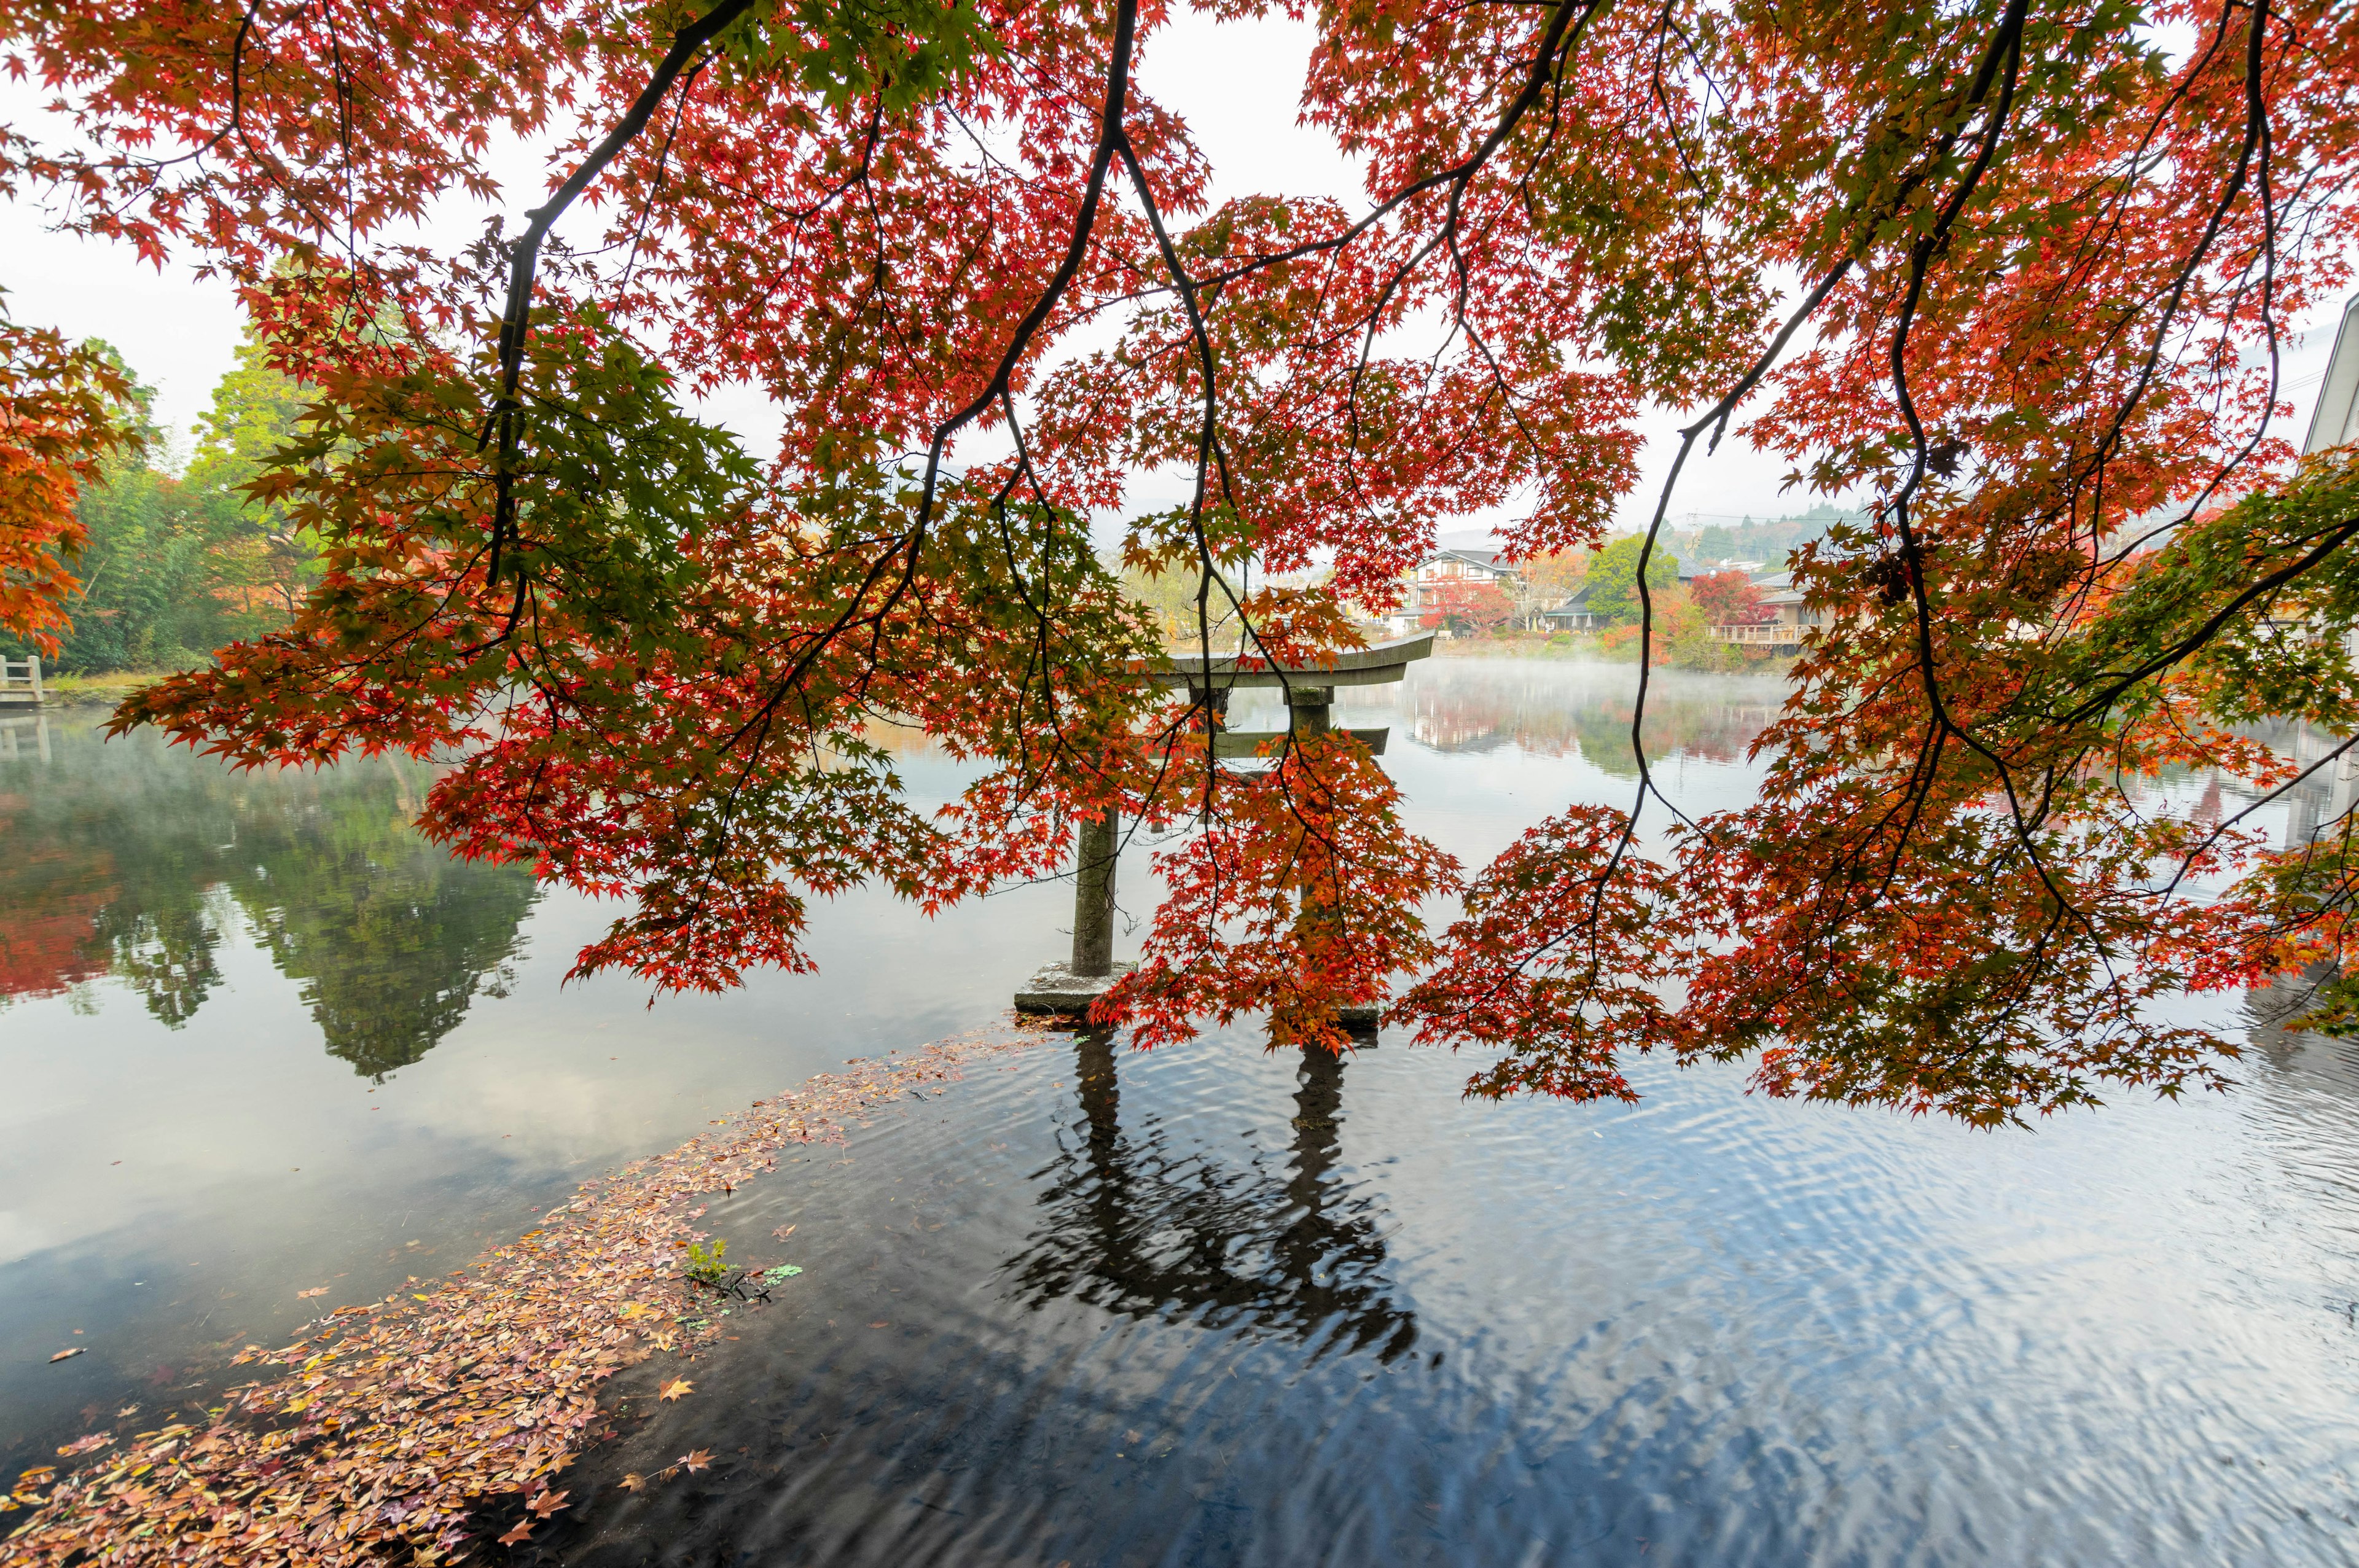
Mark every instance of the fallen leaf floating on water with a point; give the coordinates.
(126, 1413)
(90, 1445)
(632, 1482)
(521, 1532)
(548, 1503)
(677, 1388)
(701, 1459)
(304, 1295)
(64, 1353)
(389, 1424)
(783, 1232)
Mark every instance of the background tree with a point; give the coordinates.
(167, 567)
(1466, 608)
(63, 411)
(1729, 599)
(1553, 578)
(1613, 580)
(267, 563)
(150, 555)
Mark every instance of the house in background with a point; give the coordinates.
(1792, 619)
(1449, 570)
(1455, 567)
(1572, 615)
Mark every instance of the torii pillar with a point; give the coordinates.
(1066, 988)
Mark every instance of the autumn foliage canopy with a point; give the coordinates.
(2017, 273)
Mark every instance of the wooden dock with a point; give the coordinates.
(20, 684)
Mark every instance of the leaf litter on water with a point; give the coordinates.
(394, 1420)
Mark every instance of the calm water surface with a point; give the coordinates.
(1206, 1307)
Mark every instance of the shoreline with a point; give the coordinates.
(397, 1421)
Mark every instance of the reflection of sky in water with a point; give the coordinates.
(262, 1043)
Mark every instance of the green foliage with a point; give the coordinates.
(175, 566)
(1769, 541)
(2275, 577)
(145, 573)
(1614, 579)
(899, 52)
(704, 1262)
(269, 562)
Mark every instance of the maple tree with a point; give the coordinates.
(2017, 274)
(61, 415)
(1729, 599)
(165, 564)
(1465, 606)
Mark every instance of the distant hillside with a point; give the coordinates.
(1766, 541)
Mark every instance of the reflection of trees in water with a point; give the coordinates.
(124, 860)
(1548, 710)
(390, 938)
(1136, 1228)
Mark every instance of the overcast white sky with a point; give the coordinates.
(1236, 83)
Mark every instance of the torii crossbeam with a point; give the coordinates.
(1067, 989)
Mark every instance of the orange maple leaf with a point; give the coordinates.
(677, 1387)
(520, 1533)
(632, 1482)
(548, 1503)
(701, 1459)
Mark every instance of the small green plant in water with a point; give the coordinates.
(783, 1271)
(704, 1264)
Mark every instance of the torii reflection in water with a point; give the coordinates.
(1135, 1229)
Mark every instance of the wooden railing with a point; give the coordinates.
(20, 681)
(1764, 632)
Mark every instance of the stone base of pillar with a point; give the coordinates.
(1057, 992)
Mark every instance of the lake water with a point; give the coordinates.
(1206, 1307)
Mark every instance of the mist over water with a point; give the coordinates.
(1210, 1305)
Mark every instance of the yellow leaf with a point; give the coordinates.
(677, 1388)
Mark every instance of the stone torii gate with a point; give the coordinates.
(1067, 988)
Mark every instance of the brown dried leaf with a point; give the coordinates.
(63, 1355)
(677, 1388)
